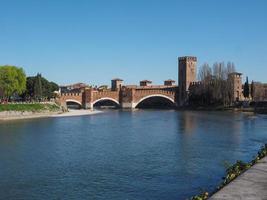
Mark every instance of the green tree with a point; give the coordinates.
(252, 90)
(12, 81)
(29, 93)
(246, 89)
(53, 87)
(38, 90)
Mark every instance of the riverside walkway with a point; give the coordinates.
(252, 185)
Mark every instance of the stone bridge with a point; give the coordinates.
(124, 97)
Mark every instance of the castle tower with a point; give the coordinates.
(116, 84)
(187, 75)
(237, 86)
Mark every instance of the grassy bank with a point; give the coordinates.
(36, 107)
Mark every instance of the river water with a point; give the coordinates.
(120, 155)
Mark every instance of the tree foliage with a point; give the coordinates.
(246, 89)
(12, 81)
(39, 88)
(215, 86)
(252, 91)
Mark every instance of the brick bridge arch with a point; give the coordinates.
(106, 98)
(74, 101)
(70, 97)
(154, 95)
(143, 94)
(125, 97)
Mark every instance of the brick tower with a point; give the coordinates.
(237, 89)
(116, 84)
(187, 75)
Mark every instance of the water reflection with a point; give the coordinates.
(187, 122)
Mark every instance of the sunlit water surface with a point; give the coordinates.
(123, 155)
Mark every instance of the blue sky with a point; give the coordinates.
(94, 41)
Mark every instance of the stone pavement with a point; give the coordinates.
(252, 185)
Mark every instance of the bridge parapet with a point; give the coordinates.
(96, 95)
(141, 94)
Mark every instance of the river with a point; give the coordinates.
(123, 155)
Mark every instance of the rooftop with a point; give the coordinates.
(170, 80)
(235, 73)
(146, 81)
(117, 79)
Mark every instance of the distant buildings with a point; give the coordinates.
(72, 88)
(259, 91)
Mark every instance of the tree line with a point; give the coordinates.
(15, 85)
(215, 87)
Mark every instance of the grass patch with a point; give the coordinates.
(36, 107)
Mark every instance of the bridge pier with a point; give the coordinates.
(88, 106)
(128, 105)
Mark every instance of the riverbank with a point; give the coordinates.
(27, 111)
(18, 115)
(251, 184)
(72, 113)
(37, 110)
(243, 180)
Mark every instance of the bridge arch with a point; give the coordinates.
(154, 95)
(105, 99)
(73, 101)
(73, 104)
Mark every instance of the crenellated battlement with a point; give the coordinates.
(188, 58)
(71, 94)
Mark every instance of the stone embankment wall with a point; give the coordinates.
(11, 115)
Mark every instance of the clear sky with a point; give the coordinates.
(94, 41)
